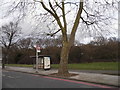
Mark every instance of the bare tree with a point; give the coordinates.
(25, 43)
(88, 15)
(9, 37)
(68, 42)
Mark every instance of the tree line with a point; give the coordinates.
(18, 50)
(99, 50)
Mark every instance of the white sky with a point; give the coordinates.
(28, 25)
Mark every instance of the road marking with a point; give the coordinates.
(89, 84)
(7, 76)
(3, 75)
(10, 77)
(5, 71)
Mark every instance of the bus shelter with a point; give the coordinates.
(43, 62)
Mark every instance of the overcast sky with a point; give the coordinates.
(28, 23)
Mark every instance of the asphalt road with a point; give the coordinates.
(13, 79)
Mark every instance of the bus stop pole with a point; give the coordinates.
(36, 61)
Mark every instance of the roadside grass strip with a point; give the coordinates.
(81, 66)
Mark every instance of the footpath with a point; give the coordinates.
(82, 76)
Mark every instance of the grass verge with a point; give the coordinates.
(82, 66)
(92, 66)
(19, 65)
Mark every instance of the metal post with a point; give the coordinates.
(36, 61)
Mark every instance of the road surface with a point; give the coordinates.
(13, 79)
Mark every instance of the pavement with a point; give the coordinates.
(88, 76)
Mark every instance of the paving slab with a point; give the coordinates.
(98, 78)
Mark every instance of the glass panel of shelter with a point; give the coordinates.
(40, 63)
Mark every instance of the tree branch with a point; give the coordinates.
(54, 14)
(88, 13)
(76, 23)
(54, 33)
(58, 4)
(87, 22)
(64, 18)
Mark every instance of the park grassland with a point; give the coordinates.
(82, 66)
(19, 65)
(93, 66)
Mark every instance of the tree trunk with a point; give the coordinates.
(63, 68)
(3, 63)
(5, 59)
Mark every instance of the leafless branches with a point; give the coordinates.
(54, 33)
(9, 34)
(93, 12)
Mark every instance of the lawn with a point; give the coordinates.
(82, 66)
(19, 65)
(92, 66)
